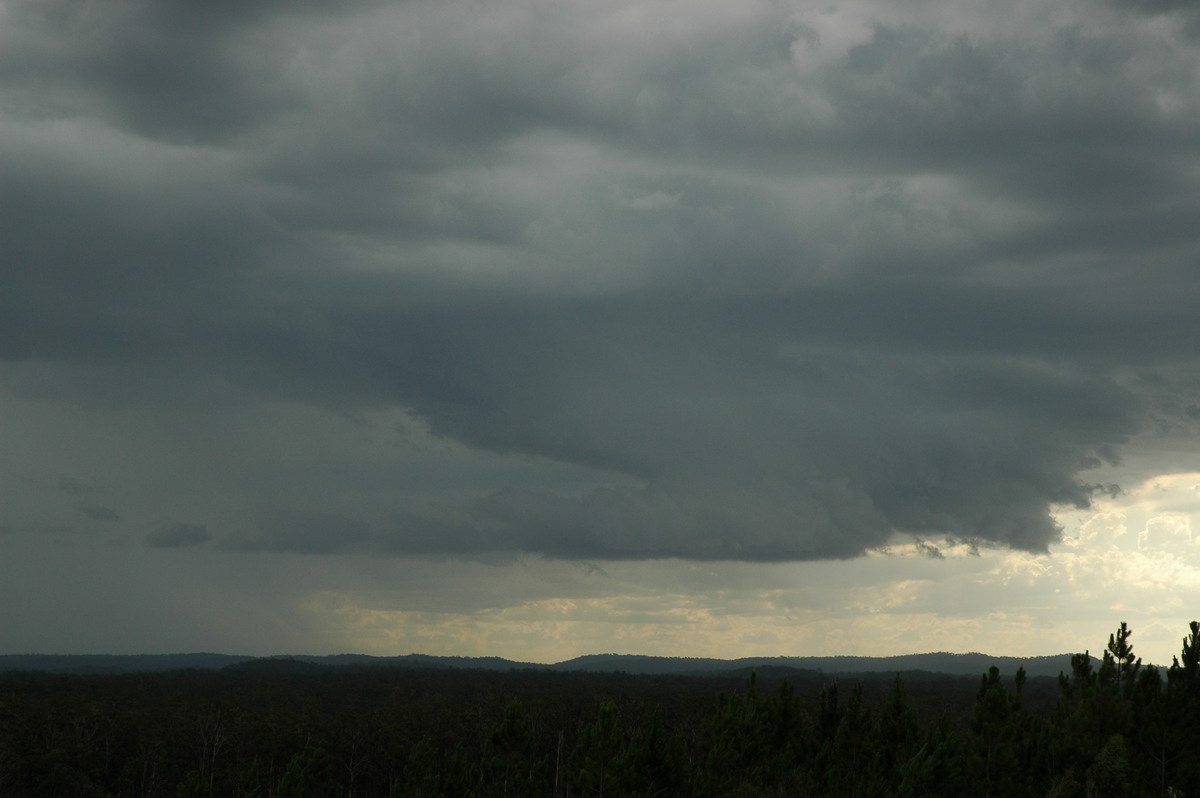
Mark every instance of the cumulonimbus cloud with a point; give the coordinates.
(798, 281)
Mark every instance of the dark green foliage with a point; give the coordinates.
(1120, 654)
(1066, 786)
(756, 739)
(512, 764)
(896, 741)
(995, 733)
(841, 763)
(936, 768)
(657, 760)
(1109, 775)
(1182, 711)
(1119, 729)
(310, 775)
(422, 773)
(599, 765)
(192, 786)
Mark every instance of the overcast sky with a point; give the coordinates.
(539, 328)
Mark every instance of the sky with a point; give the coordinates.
(540, 328)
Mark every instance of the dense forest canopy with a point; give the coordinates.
(1109, 727)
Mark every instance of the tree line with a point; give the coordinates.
(1110, 727)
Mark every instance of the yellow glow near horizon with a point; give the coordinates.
(1132, 557)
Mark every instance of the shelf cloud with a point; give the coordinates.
(593, 281)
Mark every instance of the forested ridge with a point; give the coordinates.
(1111, 727)
(938, 662)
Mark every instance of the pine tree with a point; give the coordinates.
(1109, 776)
(310, 775)
(598, 758)
(1187, 671)
(841, 763)
(935, 770)
(1121, 652)
(511, 764)
(1183, 700)
(994, 734)
(897, 735)
(655, 761)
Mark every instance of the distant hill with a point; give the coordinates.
(953, 664)
(115, 663)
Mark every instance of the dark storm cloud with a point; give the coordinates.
(99, 513)
(187, 72)
(40, 530)
(805, 297)
(1156, 6)
(72, 486)
(304, 532)
(176, 536)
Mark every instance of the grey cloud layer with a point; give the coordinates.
(806, 278)
(178, 536)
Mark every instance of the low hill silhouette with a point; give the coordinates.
(940, 662)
